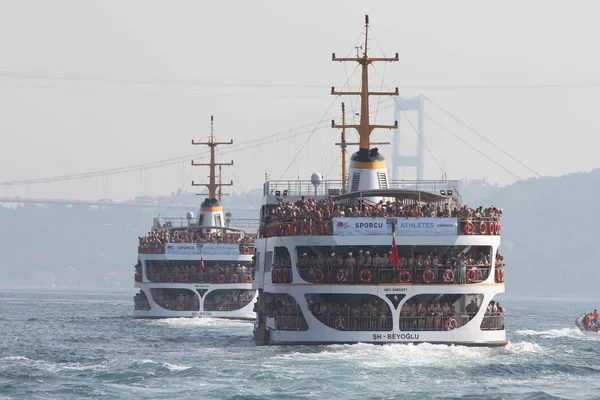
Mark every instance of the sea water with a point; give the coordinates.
(70, 345)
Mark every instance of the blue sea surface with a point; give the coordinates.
(71, 345)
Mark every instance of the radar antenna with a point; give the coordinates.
(212, 185)
(364, 128)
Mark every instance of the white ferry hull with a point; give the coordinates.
(156, 311)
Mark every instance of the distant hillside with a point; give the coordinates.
(548, 239)
(549, 234)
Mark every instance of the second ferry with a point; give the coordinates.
(198, 266)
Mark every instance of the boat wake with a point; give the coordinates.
(573, 333)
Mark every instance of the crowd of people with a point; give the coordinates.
(282, 312)
(352, 312)
(228, 300)
(176, 300)
(155, 239)
(140, 301)
(591, 320)
(352, 264)
(187, 272)
(325, 209)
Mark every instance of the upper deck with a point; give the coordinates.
(186, 236)
(413, 208)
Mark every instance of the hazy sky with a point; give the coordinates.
(94, 85)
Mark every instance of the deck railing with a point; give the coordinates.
(198, 277)
(303, 227)
(441, 275)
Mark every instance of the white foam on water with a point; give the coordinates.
(193, 322)
(523, 347)
(555, 333)
(175, 367)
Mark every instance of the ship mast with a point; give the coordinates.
(343, 146)
(212, 185)
(364, 128)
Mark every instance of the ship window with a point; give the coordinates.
(431, 264)
(228, 299)
(493, 320)
(190, 271)
(283, 312)
(201, 219)
(438, 312)
(141, 301)
(218, 220)
(176, 299)
(351, 312)
(282, 266)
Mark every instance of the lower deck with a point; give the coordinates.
(193, 301)
(327, 314)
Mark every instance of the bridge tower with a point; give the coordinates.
(402, 160)
(211, 209)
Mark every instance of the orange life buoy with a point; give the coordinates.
(170, 278)
(482, 228)
(365, 275)
(280, 230)
(342, 275)
(451, 324)
(428, 276)
(404, 276)
(499, 275)
(498, 228)
(340, 323)
(448, 276)
(492, 228)
(471, 275)
(233, 278)
(294, 230)
(248, 279)
(221, 278)
(246, 250)
(307, 229)
(469, 227)
(286, 275)
(274, 276)
(286, 230)
(183, 278)
(318, 275)
(222, 307)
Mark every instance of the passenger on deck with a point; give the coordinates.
(472, 309)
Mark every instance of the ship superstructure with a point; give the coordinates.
(368, 259)
(198, 266)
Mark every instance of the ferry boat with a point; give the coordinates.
(367, 259)
(198, 266)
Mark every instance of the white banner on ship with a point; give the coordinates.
(197, 248)
(356, 226)
(182, 248)
(222, 249)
